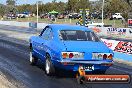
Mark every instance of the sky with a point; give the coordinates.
(19, 2)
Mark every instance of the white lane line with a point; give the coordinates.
(122, 70)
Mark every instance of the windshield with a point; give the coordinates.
(78, 35)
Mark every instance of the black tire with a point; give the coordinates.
(49, 68)
(81, 80)
(100, 72)
(33, 60)
(114, 18)
(77, 23)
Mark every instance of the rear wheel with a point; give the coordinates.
(49, 68)
(81, 80)
(33, 60)
(100, 72)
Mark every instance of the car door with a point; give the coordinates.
(38, 43)
(45, 39)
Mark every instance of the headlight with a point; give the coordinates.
(75, 55)
(102, 56)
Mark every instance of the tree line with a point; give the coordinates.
(111, 6)
(61, 7)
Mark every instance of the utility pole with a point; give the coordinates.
(83, 16)
(103, 12)
(37, 14)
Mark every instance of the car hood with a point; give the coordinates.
(86, 46)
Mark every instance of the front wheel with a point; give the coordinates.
(49, 68)
(33, 60)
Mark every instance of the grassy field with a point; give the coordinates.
(114, 23)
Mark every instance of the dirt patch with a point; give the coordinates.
(5, 83)
(123, 61)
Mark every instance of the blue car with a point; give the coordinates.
(70, 47)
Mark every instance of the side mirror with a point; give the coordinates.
(39, 35)
(60, 37)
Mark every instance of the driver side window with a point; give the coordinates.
(47, 33)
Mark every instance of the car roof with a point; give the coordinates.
(68, 27)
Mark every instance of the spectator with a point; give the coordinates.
(53, 17)
(123, 20)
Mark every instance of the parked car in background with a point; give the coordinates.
(69, 47)
(94, 15)
(42, 16)
(117, 16)
(100, 16)
(11, 16)
(24, 14)
(60, 16)
(74, 16)
(21, 15)
(110, 18)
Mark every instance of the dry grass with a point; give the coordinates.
(115, 23)
(123, 61)
(5, 83)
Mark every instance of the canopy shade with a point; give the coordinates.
(53, 12)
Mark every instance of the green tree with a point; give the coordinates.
(25, 7)
(71, 5)
(61, 7)
(10, 8)
(83, 4)
(128, 1)
(11, 2)
(2, 10)
(75, 5)
(97, 5)
(121, 7)
(57, 6)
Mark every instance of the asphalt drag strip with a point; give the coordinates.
(14, 63)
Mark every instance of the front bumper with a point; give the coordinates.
(74, 65)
